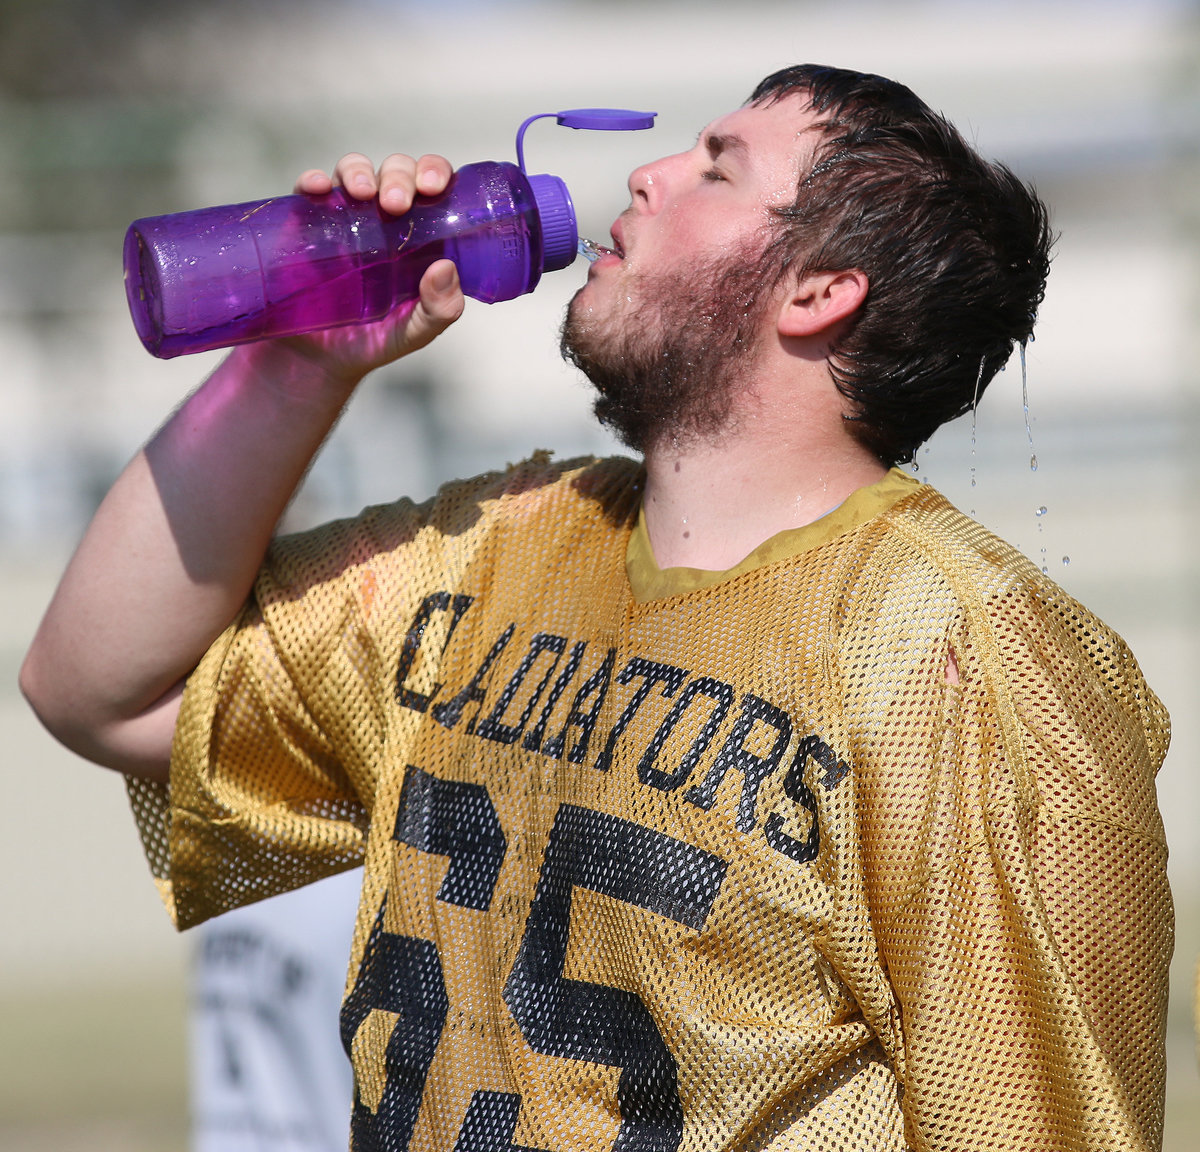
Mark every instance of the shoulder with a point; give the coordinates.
(990, 582)
(1049, 704)
(925, 528)
(923, 551)
(926, 569)
(537, 491)
(607, 489)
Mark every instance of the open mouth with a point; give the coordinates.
(593, 251)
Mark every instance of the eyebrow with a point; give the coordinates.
(717, 143)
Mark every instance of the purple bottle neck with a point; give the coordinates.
(560, 234)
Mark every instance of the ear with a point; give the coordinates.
(820, 301)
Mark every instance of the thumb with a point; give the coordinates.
(439, 304)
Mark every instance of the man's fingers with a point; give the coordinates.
(356, 174)
(401, 178)
(314, 182)
(397, 183)
(397, 180)
(433, 174)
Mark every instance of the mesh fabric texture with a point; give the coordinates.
(660, 860)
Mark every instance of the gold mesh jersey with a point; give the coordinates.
(676, 859)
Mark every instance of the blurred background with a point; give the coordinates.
(113, 109)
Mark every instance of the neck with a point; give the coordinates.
(710, 504)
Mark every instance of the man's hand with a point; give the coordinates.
(349, 353)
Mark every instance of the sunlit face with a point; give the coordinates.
(668, 326)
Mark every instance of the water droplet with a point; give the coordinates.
(1033, 464)
(1066, 561)
(1041, 511)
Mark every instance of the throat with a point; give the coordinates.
(712, 518)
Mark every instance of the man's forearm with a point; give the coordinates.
(172, 554)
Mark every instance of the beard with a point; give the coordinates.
(668, 366)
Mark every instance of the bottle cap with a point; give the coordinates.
(560, 237)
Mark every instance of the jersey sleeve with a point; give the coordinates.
(1014, 862)
(290, 719)
(278, 740)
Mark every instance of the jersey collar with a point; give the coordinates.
(650, 582)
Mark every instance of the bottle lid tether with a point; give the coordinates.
(560, 239)
(594, 119)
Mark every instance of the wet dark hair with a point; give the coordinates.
(956, 251)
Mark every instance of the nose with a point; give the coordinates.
(645, 186)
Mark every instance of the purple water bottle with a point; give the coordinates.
(222, 276)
